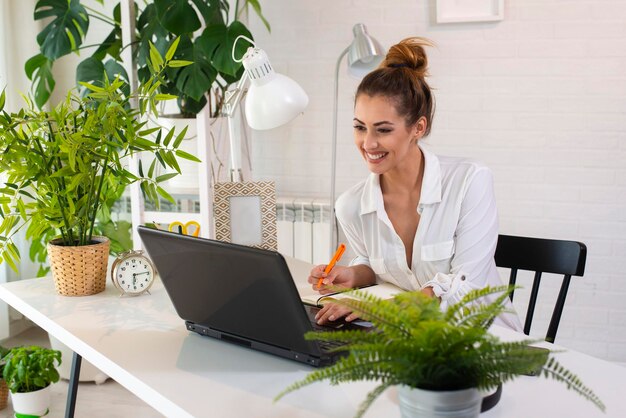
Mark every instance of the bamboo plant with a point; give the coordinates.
(64, 168)
(414, 343)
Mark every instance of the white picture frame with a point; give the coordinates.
(456, 11)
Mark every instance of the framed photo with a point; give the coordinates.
(451, 11)
(245, 213)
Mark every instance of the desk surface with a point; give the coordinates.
(141, 343)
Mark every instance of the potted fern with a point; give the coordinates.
(65, 168)
(438, 360)
(29, 372)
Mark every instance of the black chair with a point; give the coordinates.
(542, 256)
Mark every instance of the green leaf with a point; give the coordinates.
(257, 8)
(187, 156)
(165, 195)
(195, 79)
(217, 42)
(148, 131)
(91, 87)
(155, 57)
(180, 137)
(66, 30)
(112, 45)
(39, 70)
(93, 71)
(179, 63)
(165, 177)
(165, 96)
(151, 169)
(172, 49)
(2, 99)
(168, 137)
(177, 16)
(143, 144)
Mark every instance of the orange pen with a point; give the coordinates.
(329, 267)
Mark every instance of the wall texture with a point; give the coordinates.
(540, 97)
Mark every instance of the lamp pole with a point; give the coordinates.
(333, 158)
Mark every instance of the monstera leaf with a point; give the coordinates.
(218, 40)
(196, 79)
(39, 70)
(177, 16)
(92, 71)
(66, 31)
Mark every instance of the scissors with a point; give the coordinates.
(185, 228)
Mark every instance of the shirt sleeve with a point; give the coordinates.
(476, 237)
(350, 224)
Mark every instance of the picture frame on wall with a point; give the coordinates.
(456, 11)
(245, 213)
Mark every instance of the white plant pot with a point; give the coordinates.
(32, 403)
(419, 403)
(88, 372)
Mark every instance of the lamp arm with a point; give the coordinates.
(232, 100)
(333, 159)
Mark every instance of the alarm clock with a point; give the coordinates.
(132, 273)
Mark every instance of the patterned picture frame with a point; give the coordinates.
(241, 199)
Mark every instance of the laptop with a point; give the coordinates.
(239, 294)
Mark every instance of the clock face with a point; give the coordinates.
(134, 274)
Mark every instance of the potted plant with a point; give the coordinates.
(207, 30)
(438, 360)
(65, 167)
(4, 389)
(29, 372)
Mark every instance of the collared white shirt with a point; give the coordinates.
(455, 242)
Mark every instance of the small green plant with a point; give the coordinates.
(415, 344)
(65, 168)
(28, 369)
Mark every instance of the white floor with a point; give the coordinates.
(108, 400)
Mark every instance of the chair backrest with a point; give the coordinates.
(542, 256)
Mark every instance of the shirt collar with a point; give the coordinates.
(372, 197)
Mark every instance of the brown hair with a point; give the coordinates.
(401, 77)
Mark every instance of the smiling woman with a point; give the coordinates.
(419, 221)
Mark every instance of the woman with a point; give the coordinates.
(419, 221)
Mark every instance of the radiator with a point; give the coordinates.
(303, 229)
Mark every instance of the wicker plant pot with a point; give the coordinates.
(4, 394)
(79, 271)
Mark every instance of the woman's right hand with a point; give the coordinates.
(339, 276)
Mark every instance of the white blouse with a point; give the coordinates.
(455, 242)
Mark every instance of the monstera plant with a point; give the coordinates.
(207, 30)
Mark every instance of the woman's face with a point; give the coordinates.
(381, 135)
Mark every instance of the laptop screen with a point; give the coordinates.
(230, 288)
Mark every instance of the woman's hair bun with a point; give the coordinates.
(409, 53)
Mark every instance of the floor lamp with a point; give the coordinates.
(364, 55)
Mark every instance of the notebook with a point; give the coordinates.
(381, 290)
(238, 294)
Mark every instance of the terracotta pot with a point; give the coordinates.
(79, 270)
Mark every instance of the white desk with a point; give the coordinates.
(143, 345)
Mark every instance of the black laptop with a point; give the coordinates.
(238, 294)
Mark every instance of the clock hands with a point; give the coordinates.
(139, 274)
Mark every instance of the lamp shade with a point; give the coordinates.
(364, 53)
(273, 99)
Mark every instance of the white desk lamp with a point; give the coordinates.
(272, 99)
(364, 55)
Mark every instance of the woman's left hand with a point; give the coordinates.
(333, 311)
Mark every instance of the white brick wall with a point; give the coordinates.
(540, 97)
